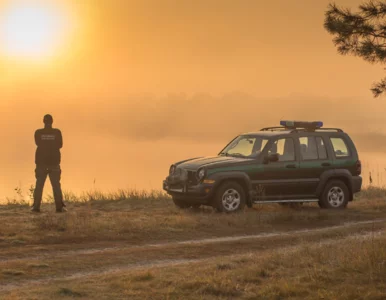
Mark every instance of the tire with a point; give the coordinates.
(230, 197)
(335, 195)
(180, 203)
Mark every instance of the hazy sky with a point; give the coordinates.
(266, 48)
(136, 85)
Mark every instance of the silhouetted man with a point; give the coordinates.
(49, 142)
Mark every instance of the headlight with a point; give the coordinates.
(201, 174)
(172, 169)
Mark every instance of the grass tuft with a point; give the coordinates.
(220, 291)
(18, 242)
(13, 272)
(222, 267)
(38, 266)
(69, 293)
(263, 273)
(144, 277)
(371, 192)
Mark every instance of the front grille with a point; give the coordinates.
(192, 179)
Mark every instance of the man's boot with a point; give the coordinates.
(61, 210)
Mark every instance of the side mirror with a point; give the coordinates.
(273, 157)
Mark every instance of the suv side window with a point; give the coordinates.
(312, 148)
(322, 151)
(308, 148)
(340, 147)
(285, 148)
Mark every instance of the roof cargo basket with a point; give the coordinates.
(276, 128)
(295, 126)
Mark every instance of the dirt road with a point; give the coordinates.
(44, 264)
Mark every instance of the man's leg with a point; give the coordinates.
(41, 176)
(55, 175)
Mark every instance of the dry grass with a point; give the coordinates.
(372, 192)
(354, 268)
(38, 265)
(140, 217)
(8, 272)
(141, 198)
(59, 263)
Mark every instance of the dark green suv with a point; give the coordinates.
(295, 163)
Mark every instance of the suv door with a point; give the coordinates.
(279, 178)
(314, 161)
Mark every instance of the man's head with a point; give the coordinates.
(48, 120)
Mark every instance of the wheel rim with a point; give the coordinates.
(335, 196)
(231, 200)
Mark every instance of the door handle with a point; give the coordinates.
(292, 166)
(326, 164)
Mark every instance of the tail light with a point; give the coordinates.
(358, 167)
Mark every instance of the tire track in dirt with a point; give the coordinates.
(170, 263)
(61, 254)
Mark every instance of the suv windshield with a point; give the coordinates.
(245, 146)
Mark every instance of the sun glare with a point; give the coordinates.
(29, 30)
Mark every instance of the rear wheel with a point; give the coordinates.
(335, 195)
(230, 197)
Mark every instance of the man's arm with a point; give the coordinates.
(37, 140)
(60, 139)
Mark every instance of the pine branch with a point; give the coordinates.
(361, 34)
(374, 9)
(379, 88)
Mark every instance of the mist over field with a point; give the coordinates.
(137, 85)
(130, 142)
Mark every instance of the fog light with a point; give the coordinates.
(209, 181)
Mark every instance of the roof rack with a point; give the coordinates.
(273, 128)
(330, 129)
(300, 126)
(299, 129)
(316, 129)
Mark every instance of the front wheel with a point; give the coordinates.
(335, 195)
(230, 197)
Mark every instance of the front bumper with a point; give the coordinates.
(200, 192)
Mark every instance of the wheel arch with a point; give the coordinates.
(238, 177)
(342, 175)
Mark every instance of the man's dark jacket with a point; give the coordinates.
(49, 142)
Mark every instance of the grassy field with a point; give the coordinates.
(140, 217)
(350, 268)
(138, 245)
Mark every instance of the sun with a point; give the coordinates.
(31, 30)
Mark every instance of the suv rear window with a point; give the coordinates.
(308, 148)
(312, 148)
(340, 147)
